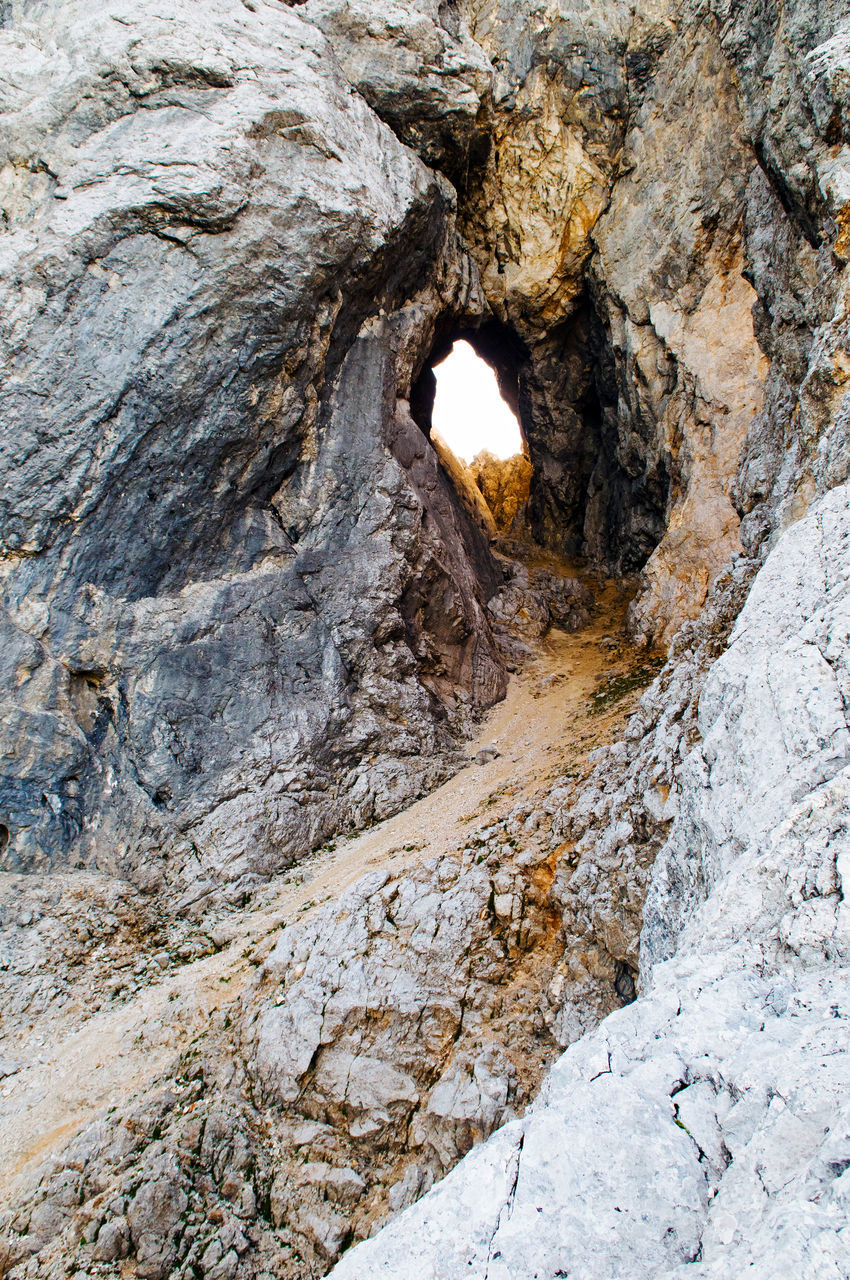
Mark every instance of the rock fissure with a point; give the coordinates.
(505, 1214)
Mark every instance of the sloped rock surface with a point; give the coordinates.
(730, 1068)
(380, 1039)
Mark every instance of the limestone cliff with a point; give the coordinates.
(248, 609)
(197, 373)
(702, 1131)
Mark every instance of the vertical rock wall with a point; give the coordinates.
(218, 237)
(729, 1067)
(702, 1131)
(223, 543)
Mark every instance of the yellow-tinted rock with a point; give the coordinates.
(504, 484)
(529, 227)
(715, 343)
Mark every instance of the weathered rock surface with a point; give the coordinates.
(703, 1130)
(350, 1075)
(223, 545)
(504, 485)
(246, 606)
(176, 547)
(69, 943)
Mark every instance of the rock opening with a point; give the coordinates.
(470, 413)
(570, 487)
(479, 440)
(466, 400)
(253, 609)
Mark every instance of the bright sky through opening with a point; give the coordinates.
(469, 412)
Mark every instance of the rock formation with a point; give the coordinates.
(505, 485)
(703, 1130)
(248, 609)
(201, 667)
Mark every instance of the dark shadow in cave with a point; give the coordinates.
(597, 489)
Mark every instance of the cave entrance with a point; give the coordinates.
(467, 403)
(470, 415)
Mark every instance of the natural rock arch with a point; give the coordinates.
(244, 610)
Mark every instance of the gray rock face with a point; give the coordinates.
(244, 608)
(730, 1068)
(208, 466)
(224, 544)
(785, 670)
(798, 447)
(419, 68)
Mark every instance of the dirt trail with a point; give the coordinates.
(574, 696)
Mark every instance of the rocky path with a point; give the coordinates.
(571, 698)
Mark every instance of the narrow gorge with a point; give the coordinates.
(415, 864)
